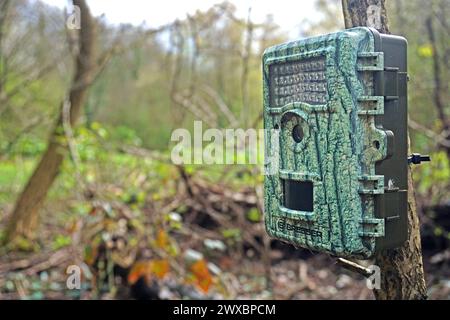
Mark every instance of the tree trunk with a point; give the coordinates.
(25, 215)
(402, 275)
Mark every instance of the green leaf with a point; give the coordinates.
(61, 241)
(254, 215)
(232, 233)
(425, 51)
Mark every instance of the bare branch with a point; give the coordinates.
(221, 105)
(194, 109)
(440, 139)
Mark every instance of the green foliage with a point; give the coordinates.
(61, 241)
(21, 243)
(13, 175)
(254, 215)
(125, 135)
(433, 177)
(232, 234)
(29, 146)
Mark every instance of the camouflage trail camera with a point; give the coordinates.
(335, 110)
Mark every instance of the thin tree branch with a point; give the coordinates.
(440, 139)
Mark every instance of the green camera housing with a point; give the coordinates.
(336, 169)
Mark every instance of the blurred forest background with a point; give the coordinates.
(140, 227)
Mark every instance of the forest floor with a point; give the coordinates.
(294, 274)
(138, 227)
(315, 277)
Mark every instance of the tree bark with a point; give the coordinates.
(402, 275)
(25, 216)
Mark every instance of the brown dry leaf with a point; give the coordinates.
(160, 268)
(74, 226)
(139, 269)
(225, 262)
(162, 239)
(93, 211)
(203, 278)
